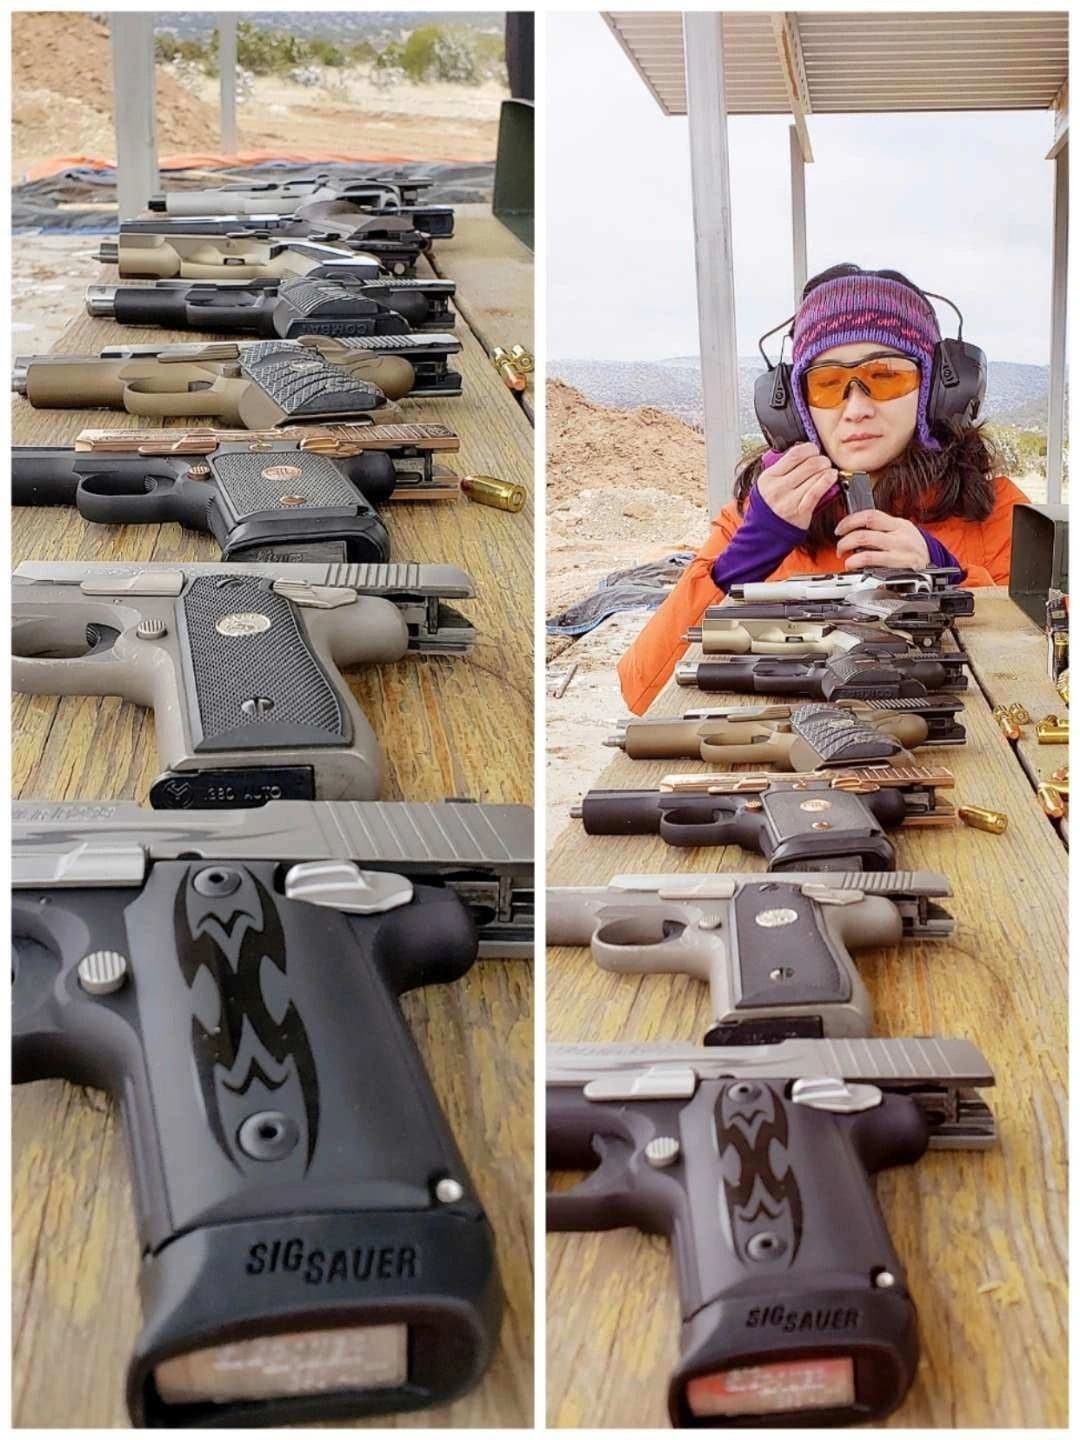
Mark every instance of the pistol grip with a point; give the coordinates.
(813, 1281)
(263, 697)
(791, 974)
(284, 1176)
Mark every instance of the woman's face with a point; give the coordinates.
(862, 433)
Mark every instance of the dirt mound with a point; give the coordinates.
(624, 487)
(619, 448)
(61, 80)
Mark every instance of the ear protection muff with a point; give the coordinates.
(957, 385)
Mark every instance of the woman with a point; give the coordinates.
(861, 367)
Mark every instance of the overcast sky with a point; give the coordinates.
(960, 203)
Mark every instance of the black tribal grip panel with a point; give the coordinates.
(778, 1243)
(284, 1139)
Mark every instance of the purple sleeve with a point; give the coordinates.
(938, 554)
(759, 545)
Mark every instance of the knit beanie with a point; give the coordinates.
(865, 307)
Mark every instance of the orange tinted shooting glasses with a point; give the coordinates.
(883, 377)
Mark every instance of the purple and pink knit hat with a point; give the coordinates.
(865, 307)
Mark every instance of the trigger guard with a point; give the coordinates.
(690, 833)
(599, 1181)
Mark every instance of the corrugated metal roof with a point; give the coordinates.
(867, 61)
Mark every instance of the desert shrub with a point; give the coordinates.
(453, 59)
(325, 52)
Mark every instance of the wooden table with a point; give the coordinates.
(982, 1235)
(448, 727)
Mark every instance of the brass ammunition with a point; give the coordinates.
(979, 819)
(500, 494)
(1051, 801)
(512, 377)
(1063, 681)
(1060, 776)
(522, 359)
(1005, 723)
(1052, 731)
(1019, 713)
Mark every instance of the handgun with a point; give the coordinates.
(392, 192)
(855, 676)
(258, 384)
(849, 585)
(824, 820)
(807, 627)
(312, 1246)
(724, 633)
(281, 309)
(240, 664)
(388, 237)
(289, 494)
(756, 1161)
(789, 737)
(774, 950)
(266, 384)
(398, 196)
(221, 257)
(923, 619)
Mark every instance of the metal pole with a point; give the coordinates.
(711, 184)
(132, 36)
(798, 212)
(1059, 292)
(227, 66)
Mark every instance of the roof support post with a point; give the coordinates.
(131, 35)
(711, 185)
(1059, 292)
(798, 212)
(226, 27)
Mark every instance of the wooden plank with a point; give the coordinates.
(1007, 651)
(982, 1236)
(448, 727)
(494, 275)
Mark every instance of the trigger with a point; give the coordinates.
(100, 638)
(601, 1181)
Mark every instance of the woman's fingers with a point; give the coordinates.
(810, 496)
(861, 539)
(794, 457)
(864, 559)
(866, 520)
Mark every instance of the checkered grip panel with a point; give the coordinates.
(248, 490)
(302, 383)
(263, 663)
(838, 738)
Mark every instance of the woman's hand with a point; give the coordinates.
(793, 487)
(870, 537)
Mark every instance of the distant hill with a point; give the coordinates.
(349, 26)
(1015, 395)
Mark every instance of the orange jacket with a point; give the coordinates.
(981, 546)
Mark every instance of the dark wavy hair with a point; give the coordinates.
(920, 485)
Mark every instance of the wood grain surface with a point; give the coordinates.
(448, 727)
(982, 1235)
(496, 300)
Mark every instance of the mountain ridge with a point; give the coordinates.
(1016, 394)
